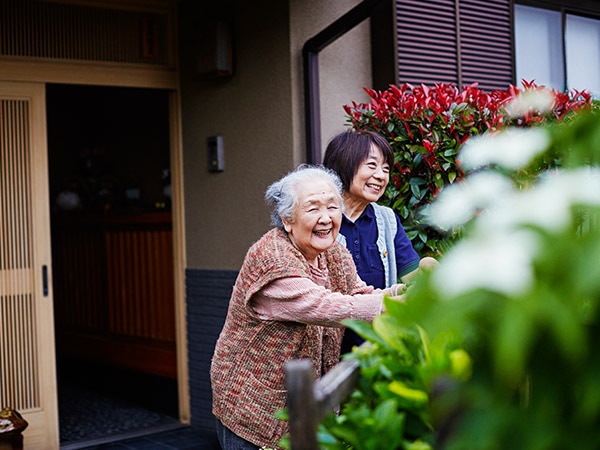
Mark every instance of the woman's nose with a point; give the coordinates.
(325, 217)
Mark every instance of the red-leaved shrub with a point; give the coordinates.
(427, 126)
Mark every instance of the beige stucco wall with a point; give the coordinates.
(344, 65)
(260, 114)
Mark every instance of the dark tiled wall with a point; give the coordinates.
(208, 293)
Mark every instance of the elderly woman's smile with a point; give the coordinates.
(316, 220)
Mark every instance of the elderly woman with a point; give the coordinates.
(294, 288)
(373, 234)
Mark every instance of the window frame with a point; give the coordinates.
(583, 8)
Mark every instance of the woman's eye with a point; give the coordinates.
(334, 207)
(386, 169)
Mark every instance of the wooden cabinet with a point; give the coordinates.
(113, 290)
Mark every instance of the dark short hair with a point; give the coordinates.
(349, 149)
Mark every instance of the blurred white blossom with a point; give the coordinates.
(548, 204)
(512, 148)
(460, 202)
(531, 100)
(499, 252)
(581, 185)
(497, 262)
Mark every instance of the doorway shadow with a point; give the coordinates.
(108, 159)
(97, 402)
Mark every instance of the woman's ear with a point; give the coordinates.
(287, 225)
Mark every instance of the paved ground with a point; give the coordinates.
(177, 439)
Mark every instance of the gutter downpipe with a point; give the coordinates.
(310, 55)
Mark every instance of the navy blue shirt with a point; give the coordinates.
(361, 241)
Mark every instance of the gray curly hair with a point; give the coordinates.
(282, 195)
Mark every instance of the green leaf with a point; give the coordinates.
(394, 308)
(461, 365)
(417, 181)
(389, 330)
(414, 397)
(389, 425)
(365, 330)
(416, 191)
(513, 340)
(412, 234)
(417, 445)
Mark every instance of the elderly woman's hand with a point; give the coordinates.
(395, 290)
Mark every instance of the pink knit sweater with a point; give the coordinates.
(247, 371)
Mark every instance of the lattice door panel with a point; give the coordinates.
(27, 368)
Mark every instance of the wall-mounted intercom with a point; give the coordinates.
(214, 147)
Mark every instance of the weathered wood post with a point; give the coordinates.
(302, 405)
(309, 401)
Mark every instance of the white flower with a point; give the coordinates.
(545, 207)
(497, 262)
(512, 148)
(499, 252)
(538, 100)
(458, 203)
(547, 204)
(581, 185)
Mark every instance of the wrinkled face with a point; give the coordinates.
(316, 220)
(371, 178)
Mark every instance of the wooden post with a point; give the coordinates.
(309, 401)
(302, 405)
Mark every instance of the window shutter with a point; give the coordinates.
(427, 41)
(459, 42)
(486, 53)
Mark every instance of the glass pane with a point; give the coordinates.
(582, 41)
(538, 46)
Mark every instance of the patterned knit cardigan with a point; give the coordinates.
(247, 371)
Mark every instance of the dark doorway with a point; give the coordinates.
(112, 255)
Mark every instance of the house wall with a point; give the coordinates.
(344, 66)
(225, 211)
(259, 111)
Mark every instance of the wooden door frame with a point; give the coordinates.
(41, 413)
(134, 77)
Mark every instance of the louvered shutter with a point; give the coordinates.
(486, 53)
(427, 41)
(455, 42)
